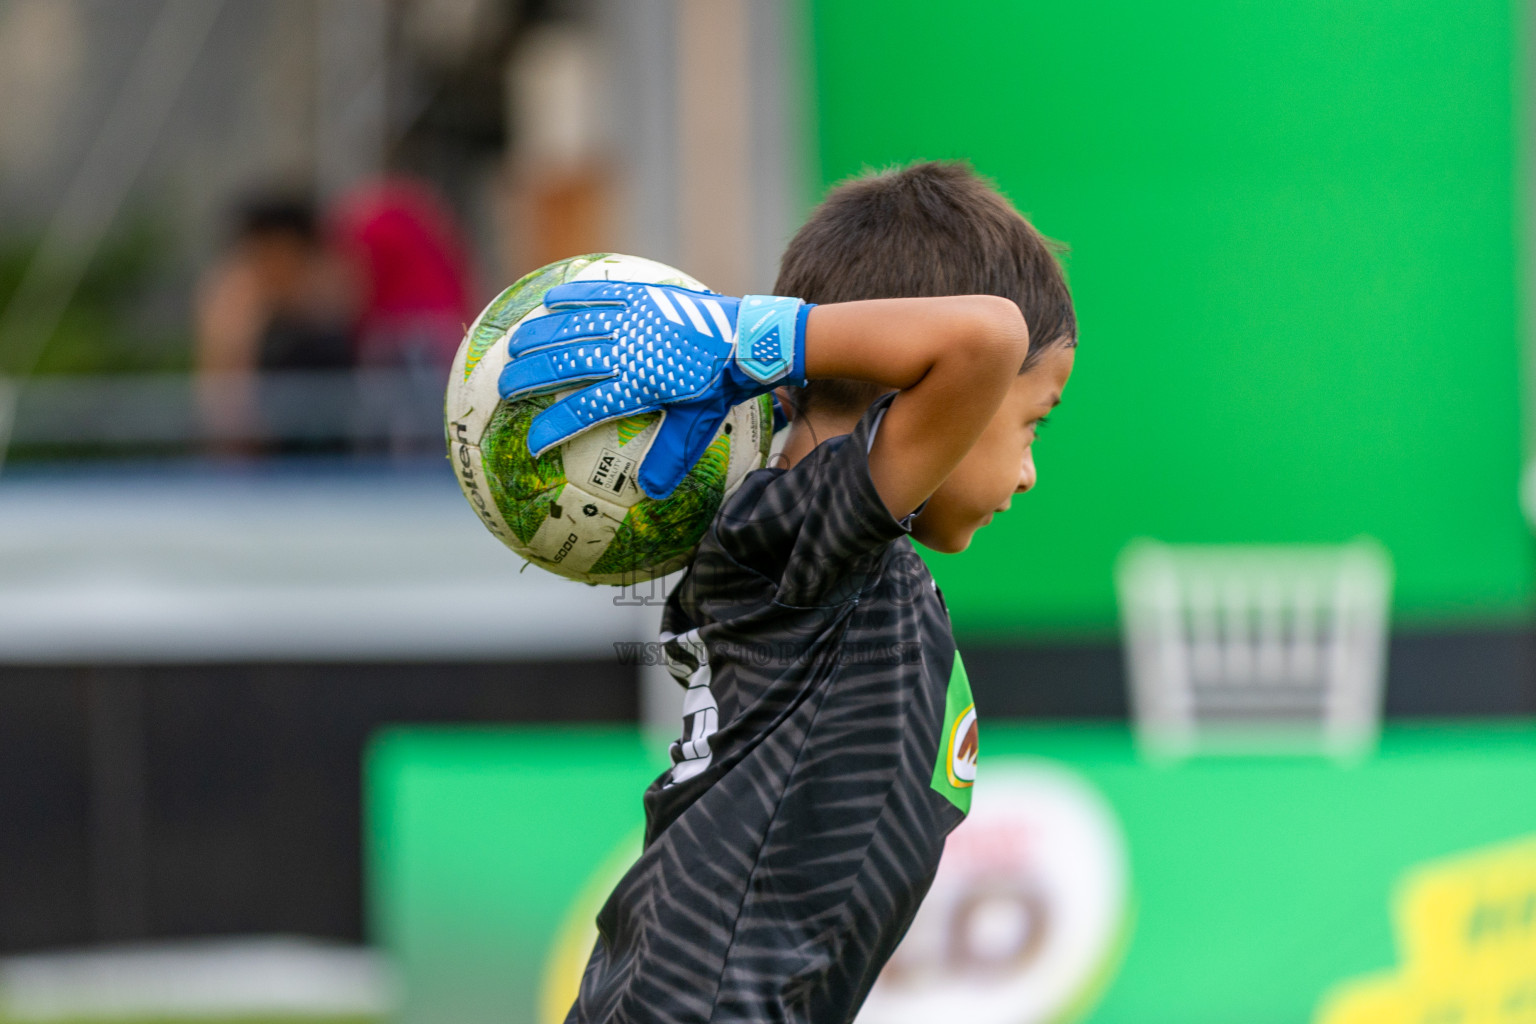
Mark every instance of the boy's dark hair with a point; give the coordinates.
(928, 229)
(270, 214)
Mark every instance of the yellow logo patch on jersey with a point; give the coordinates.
(964, 743)
(954, 771)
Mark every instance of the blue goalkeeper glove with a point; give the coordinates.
(650, 347)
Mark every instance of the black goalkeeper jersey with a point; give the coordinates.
(828, 747)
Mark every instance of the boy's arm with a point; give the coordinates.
(952, 358)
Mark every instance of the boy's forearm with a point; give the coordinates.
(898, 342)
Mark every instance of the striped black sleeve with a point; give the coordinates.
(818, 528)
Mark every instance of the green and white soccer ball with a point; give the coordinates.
(576, 510)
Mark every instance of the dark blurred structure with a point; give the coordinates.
(162, 801)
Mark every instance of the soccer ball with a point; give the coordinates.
(576, 510)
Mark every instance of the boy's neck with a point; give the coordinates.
(809, 430)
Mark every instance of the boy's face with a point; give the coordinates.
(1000, 463)
(283, 263)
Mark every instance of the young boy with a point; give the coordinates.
(829, 739)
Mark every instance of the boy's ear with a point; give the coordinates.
(785, 401)
(783, 404)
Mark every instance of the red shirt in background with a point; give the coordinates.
(415, 272)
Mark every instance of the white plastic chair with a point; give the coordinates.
(1255, 650)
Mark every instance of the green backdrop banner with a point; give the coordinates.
(1294, 253)
(1086, 885)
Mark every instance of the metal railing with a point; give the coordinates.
(348, 410)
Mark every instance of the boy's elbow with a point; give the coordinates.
(996, 333)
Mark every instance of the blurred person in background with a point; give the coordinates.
(379, 285)
(281, 298)
(409, 259)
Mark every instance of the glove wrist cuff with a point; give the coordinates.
(770, 339)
